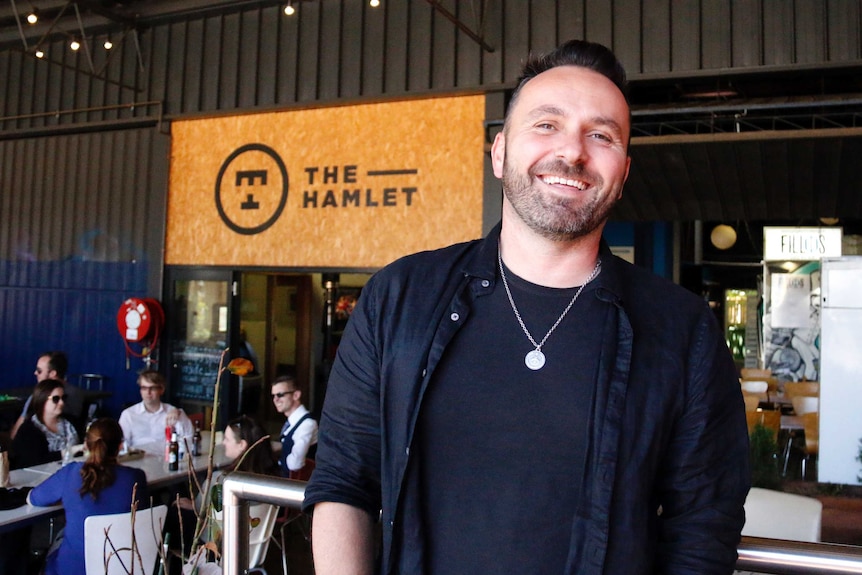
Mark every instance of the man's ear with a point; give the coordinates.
(498, 154)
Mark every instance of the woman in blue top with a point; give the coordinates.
(98, 486)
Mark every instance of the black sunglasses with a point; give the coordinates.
(58, 398)
(281, 394)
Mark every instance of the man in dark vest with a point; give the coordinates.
(299, 433)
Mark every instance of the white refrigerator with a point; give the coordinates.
(840, 370)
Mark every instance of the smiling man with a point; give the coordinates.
(299, 432)
(529, 403)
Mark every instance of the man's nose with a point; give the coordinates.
(572, 149)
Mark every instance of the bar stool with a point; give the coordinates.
(87, 380)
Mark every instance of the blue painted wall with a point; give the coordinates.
(82, 227)
(652, 241)
(69, 306)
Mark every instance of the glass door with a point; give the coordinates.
(199, 329)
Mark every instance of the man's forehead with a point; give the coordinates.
(570, 77)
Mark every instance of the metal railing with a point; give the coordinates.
(772, 556)
(237, 491)
(781, 557)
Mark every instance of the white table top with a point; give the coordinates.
(155, 468)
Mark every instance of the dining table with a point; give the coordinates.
(153, 466)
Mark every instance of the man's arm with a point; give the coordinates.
(301, 442)
(183, 425)
(14, 431)
(707, 474)
(21, 418)
(126, 425)
(342, 540)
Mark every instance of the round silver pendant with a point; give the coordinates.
(535, 359)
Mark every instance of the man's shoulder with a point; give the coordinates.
(638, 285)
(427, 269)
(133, 409)
(308, 420)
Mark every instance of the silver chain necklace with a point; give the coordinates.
(535, 359)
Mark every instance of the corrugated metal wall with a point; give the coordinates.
(82, 229)
(82, 214)
(339, 50)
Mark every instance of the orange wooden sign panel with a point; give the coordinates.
(345, 187)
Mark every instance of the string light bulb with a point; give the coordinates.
(33, 17)
(40, 54)
(374, 3)
(108, 44)
(289, 9)
(75, 45)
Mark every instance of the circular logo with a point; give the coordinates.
(251, 189)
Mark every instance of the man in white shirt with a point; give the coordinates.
(299, 433)
(144, 423)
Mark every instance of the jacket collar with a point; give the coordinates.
(483, 264)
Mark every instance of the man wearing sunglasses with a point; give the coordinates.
(144, 423)
(54, 365)
(299, 433)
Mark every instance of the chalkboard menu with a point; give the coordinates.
(195, 368)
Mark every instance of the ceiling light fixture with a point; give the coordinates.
(289, 9)
(33, 16)
(723, 236)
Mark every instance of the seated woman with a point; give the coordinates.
(45, 433)
(98, 486)
(245, 445)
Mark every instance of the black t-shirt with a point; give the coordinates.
(502, 447)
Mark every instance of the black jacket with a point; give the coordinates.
(667, 465)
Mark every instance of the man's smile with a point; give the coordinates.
(556, 180)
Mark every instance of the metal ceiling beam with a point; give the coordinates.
(462, 26)
(763, 135)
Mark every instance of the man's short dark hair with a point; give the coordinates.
(57, 361)
(581, 53)
(287, 378)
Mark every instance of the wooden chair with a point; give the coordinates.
(801, 388)
(755, 387)
(752, 400)
(811, 426)
(755, 373)
(771, 420)
(803, 404)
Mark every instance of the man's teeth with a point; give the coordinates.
(557, 180)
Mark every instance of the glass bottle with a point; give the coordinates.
(196, 440)
(174, 451)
